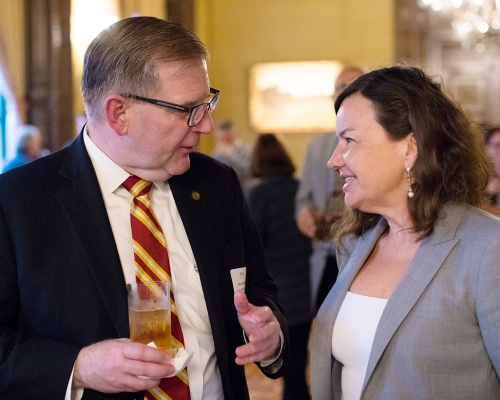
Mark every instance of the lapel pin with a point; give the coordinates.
(195, 196)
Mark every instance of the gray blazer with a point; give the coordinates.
(439, 335)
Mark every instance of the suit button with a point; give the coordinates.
(195, 196)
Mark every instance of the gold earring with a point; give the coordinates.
(410, 191)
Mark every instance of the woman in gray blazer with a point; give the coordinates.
(415, 312)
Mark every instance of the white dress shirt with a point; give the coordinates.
(203, 371)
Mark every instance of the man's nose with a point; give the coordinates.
(206, 124)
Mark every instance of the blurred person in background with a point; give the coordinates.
(287, 250)
(29, 147)
(233, 151)
(319, 202)
(414, 312)
(80, 121)
(492, 138)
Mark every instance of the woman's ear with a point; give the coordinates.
(411, 151)
(115, 109)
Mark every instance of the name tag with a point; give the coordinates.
(239, 277)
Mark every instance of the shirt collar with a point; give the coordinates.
(109, 174)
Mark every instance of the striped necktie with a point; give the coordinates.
(152, 264)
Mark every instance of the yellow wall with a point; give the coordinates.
(241, 33)
(89, 17)
(12, 37)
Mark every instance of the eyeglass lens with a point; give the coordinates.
(198, 112)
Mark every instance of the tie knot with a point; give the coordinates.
(137, 186)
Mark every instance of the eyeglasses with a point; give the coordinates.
(196, 113)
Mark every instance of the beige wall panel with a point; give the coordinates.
(241, 33)
(12, 36)
(89, 14)
(150, 8)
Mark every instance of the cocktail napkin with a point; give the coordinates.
(180, 361)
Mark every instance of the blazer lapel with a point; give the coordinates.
(427, 260)
(83, 207)
(356, 260)
(323, 325)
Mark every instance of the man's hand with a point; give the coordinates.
(261, 327)
(114, 366)
(306, 220)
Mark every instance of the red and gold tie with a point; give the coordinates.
(152, 264)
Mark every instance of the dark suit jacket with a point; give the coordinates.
(61, 281)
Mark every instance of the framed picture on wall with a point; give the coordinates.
(293, 97)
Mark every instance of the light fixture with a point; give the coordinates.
(476, 23)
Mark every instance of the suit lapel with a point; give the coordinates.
(191, 198)
(429, 257)
(83, 207)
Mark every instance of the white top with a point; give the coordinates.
(352, 339)
(203, 371)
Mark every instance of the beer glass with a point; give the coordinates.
(149, 314)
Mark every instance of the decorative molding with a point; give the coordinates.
(48, 70)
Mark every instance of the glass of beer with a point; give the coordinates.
(149, 314)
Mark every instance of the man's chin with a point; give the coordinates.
(180, 167)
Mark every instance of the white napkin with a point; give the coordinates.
(179, 362)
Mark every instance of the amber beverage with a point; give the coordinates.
(149, 314)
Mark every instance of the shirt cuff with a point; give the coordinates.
(73, 394)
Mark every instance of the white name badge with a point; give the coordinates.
(239, 277)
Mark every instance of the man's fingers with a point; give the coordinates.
(256, 319)
(262, 329)
(241, 302)
(138, 351)
(133, 383)
(114, 366)
(262, 343)
(266, 332)
(251, 353)
(149, 371)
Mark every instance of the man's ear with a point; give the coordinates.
(411, 151)
(115, 109)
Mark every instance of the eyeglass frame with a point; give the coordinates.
(209, 106)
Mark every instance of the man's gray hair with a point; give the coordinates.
(123, 58)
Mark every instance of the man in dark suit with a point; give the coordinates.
(66, 243)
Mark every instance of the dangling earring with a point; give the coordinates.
(410, 191)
